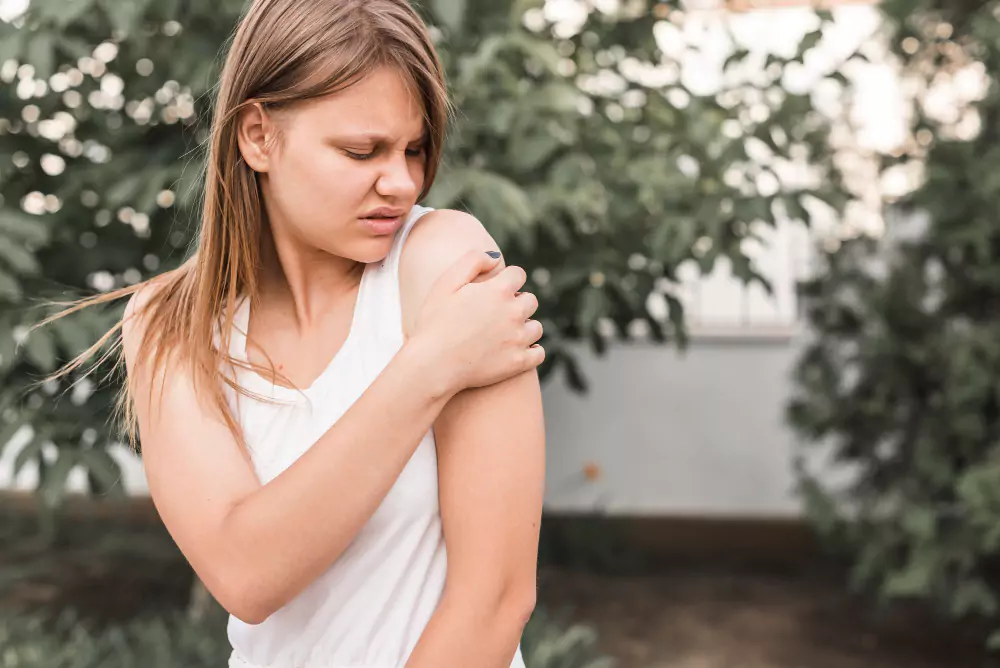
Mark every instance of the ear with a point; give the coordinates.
(255, 133)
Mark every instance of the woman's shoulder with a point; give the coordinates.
(437, 241)
(441, 236)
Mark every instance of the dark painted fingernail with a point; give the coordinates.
(493, 254)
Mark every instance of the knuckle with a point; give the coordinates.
(532, 302)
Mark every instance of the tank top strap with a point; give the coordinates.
(391, 262)
(383, 310)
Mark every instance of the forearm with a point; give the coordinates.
(292, 529)
(472, 633)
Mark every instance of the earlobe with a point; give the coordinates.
(251, 136)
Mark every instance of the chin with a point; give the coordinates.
(371, 250)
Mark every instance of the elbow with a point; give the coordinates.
(246, 607)
(240, 582)
(512, 609)
(243, 597)
(495, 610)
(250, 614)
(520, 605)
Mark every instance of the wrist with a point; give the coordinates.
(433, 378)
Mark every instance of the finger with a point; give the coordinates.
(466, 269)
(527, 302)
(511, 279)
(533, 331)
(534, 356)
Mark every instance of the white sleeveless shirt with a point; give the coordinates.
(370, 607)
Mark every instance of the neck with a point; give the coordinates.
(302, 283)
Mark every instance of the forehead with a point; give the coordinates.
(381, 103)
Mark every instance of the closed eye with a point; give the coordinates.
(412, 152)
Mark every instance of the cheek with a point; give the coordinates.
(417, 173)
(317, 186)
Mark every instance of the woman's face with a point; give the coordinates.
(336, 161)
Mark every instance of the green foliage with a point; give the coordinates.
(901, 381)
(173, 641)
(548, 643)
(170, 641)
(598, 178)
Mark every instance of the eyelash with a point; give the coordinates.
(413, 153)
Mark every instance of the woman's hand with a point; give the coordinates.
(479, 332)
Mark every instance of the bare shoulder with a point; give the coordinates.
(442, 236)
(133, 319)
(436, 241)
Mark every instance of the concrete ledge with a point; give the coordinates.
(661, 539)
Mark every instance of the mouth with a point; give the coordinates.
(385, 213)
(382, 225)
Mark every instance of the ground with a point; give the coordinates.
(690, 615)
(706, 618)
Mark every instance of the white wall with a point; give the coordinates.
(700, 432)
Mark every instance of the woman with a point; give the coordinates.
(340, 417)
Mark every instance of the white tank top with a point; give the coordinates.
(370, 607)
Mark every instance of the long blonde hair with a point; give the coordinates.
(282, 52)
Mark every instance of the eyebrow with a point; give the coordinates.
(376, 138)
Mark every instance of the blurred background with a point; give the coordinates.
(764, 238)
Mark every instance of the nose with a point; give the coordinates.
(397, 179)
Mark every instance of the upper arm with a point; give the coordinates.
(490, 441)
(195, 468)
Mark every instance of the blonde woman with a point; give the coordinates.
(336, 394)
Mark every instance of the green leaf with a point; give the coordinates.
(541, 49)
(8, 349)
(31, 450)
(10, 429)
(70, 11)
(74, 48)
(11, 42)
(574, 375)
(449, 184)
(10, 288)
(102, 466)
(17, 257)
(973, 596)
(594, 305)
(920, 522)
(913, 580)
(53, 487)
(124, 190)
(124, 15)
(502, 204)
(774, 58)
(23, 226)
(735, 57)
(675, 311)
(41, 350)
(810, 40)
(528, 151)
(557, 97)
(840, 78)
(450, 12)
(795, 209)
(41, 54)
(72, 335)
(520, 7)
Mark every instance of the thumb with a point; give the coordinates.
(467, 268)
